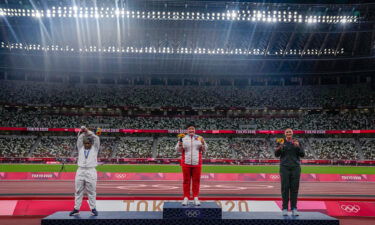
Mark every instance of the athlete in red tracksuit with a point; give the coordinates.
(192, 147)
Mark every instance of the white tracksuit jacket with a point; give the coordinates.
(191, 154)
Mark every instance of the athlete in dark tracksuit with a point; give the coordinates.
(289, 152)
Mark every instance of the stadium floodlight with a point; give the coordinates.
(167, 50)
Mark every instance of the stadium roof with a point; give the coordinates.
(179, 37)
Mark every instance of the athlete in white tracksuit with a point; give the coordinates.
(86, 177)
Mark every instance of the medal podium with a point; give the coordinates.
(208, 210)
(176, 214)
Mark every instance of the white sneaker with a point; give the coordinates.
(185, 201)
(285, 212)
(196, 201)
(295, 212)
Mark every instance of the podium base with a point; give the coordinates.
(156, 218)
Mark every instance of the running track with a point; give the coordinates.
(169, 190)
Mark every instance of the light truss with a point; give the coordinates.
(266, 16)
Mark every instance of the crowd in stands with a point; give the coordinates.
(335, 148)
(368, 148)
(305, 121)
(107, 147)
(164, 147)
(27, 92)
(16, 146)
(307, 148)
(250, 148)
(55, 147)
(218, 148)
(134, 148)
(254, 97)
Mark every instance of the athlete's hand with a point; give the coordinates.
(202, 140)
(83, 129)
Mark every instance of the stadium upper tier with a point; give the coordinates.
(320, 107)
(203, 97)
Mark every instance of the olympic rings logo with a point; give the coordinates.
(192, 213)
(275, 177)
(351, 208)
(120, 175)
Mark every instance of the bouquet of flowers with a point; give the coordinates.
(98, 131)
(180, 136)
(280, 141)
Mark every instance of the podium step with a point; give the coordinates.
(207, 210)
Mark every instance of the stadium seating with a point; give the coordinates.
(16, 146)
(250, 148)
(281, 98)
(134, 148)
(304, 121)
(27, 92)
(164, 147)
(327, 148)
(368, 148)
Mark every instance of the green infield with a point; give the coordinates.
(177, 169)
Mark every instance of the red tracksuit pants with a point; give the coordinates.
(191, 174)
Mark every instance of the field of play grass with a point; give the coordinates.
(177, 169)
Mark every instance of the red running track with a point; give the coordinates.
(169, 190)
